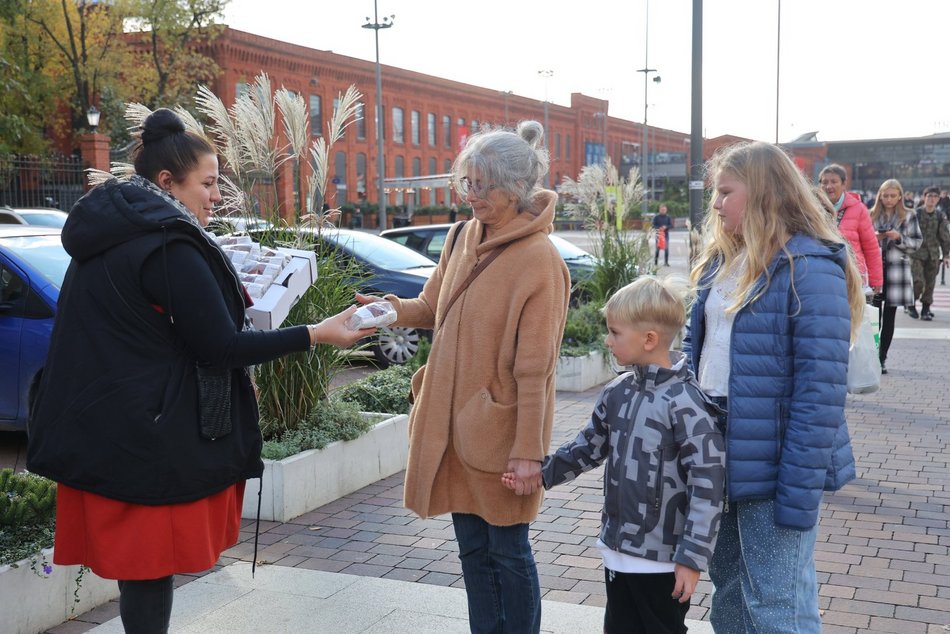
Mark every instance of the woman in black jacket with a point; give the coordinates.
(146, 415)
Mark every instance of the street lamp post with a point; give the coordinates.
(376, 25)
(778, 63)
(645, 158)
(546, 75)
(646, 70)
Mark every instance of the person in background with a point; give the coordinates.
(779, 299)
(944, 203)
(909, 200)
(662, 223)
(899, 235)
(656, 430)
(854, 223)
(925, 261)
(484, 401)
(151, 311)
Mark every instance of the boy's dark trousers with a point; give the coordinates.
(643, 603)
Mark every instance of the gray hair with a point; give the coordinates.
(512, 161)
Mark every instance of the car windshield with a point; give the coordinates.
(568, 250)
(380, 252)
(44, 253)
(44, 219)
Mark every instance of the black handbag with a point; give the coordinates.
(214, 401)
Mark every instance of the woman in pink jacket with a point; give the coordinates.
(854, 223)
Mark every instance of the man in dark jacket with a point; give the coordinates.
(662, 223)
(925, 261)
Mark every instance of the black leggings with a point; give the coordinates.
(146, 606)
(887, 330)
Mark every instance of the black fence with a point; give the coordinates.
(41, 181)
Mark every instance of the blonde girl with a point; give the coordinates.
(779, 295)
(899, 234)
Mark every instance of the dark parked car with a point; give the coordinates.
(386, 267)
(429, 240)
(39, 217)
(32, 266)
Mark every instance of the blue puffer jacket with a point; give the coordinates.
(786, 436)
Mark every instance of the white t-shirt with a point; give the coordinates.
(620, 562)
(713, 374)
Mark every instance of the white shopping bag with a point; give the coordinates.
(864, 366)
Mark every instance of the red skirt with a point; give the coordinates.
(119, 540)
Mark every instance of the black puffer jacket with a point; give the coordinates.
(148, 296)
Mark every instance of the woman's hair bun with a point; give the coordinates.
(532, 132)
(160, 124)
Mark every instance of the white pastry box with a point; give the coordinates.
(270, 310)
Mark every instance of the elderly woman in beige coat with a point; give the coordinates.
(484, 403)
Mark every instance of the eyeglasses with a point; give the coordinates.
(480, 190)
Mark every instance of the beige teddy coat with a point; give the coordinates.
(487, 391)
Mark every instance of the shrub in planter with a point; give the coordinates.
(584, 330)
(382, 391)
(27, 517)
(328, 421)
(290, 387)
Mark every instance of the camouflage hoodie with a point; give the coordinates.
(664, 480)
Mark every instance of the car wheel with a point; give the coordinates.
(396, 345)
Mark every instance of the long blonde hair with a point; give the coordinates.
(779, 204)
(878, 211)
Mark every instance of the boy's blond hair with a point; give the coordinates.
(660, 303)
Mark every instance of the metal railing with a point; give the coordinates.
(41, 181)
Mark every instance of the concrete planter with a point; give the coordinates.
(308, 480)
(33, 603)
(577, 374)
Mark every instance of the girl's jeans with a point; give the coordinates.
(764, 574)
(501, 579)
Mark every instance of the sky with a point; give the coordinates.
(846, 69)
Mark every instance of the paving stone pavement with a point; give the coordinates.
(882, 555)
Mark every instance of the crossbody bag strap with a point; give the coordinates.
(481, 266)
(455, 231)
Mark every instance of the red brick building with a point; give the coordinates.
(427, 119)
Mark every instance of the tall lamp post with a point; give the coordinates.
(645, 158)
(778, 63)
(546, 75)
(376, 25)
(646, 70)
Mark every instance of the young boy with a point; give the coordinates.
(665, 474)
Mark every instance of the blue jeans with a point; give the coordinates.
(764, 574)
(501, 579)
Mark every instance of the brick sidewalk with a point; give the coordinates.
(882, 556)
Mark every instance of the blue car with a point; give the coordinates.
(32, 266)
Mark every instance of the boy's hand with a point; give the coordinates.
(509, 480)
(686, 580)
